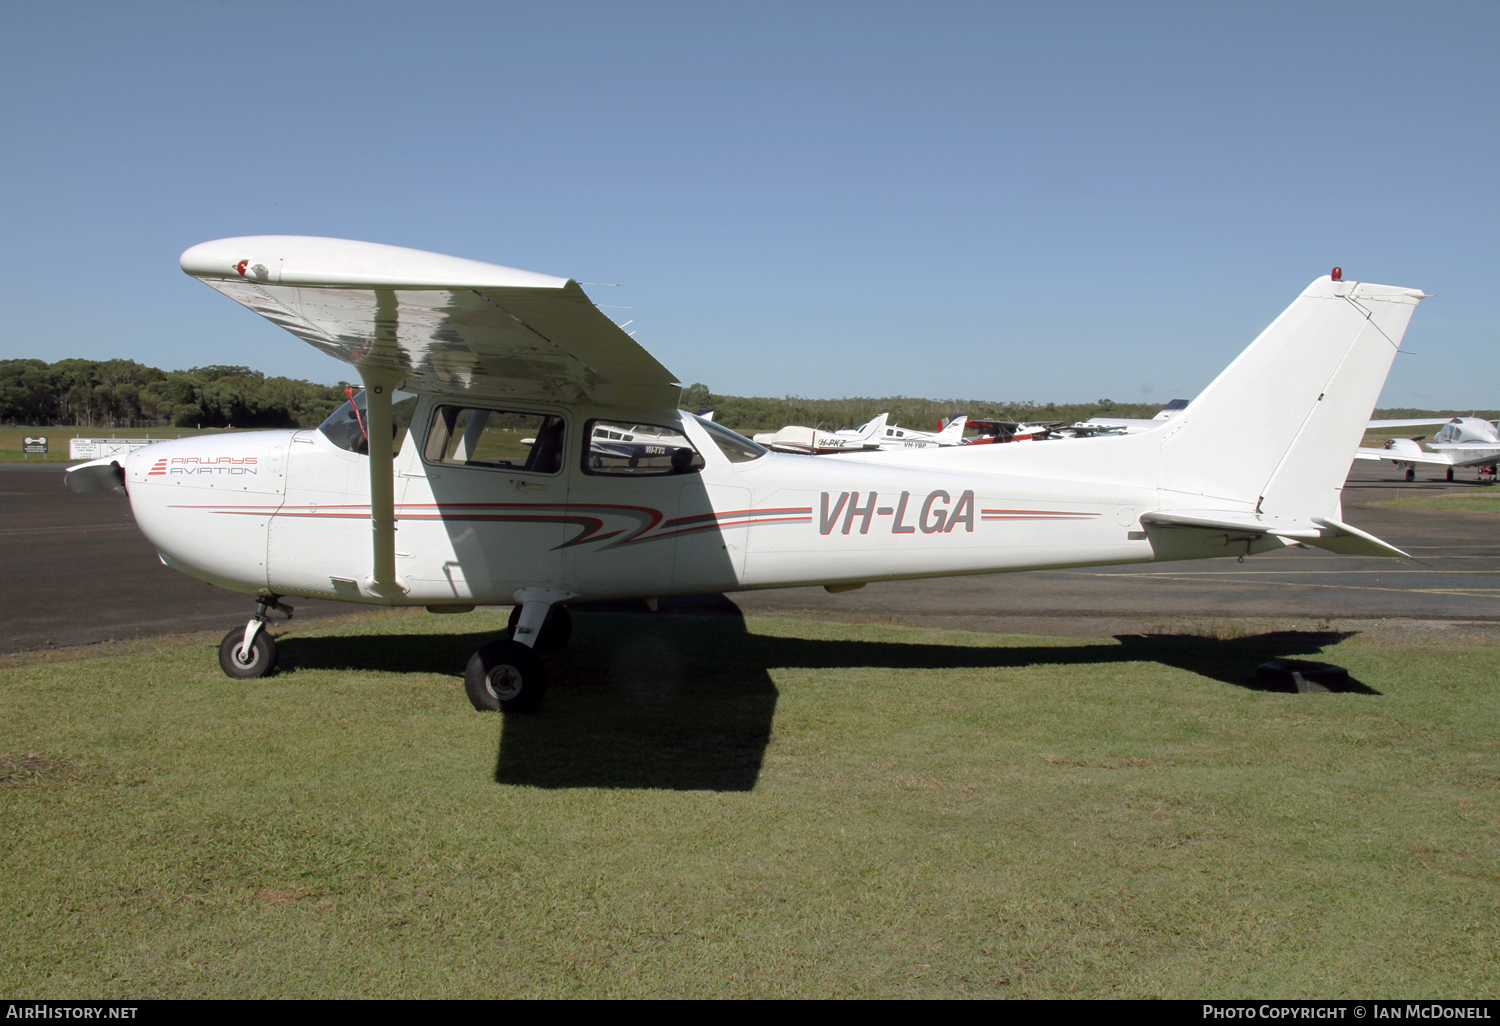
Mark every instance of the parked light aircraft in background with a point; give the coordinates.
(813, 441)
(873, 434)
(434, 501)
(1460, 442)
(993, 432)
(1131, 425)
(895, 437)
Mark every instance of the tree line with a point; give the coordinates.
(748, 415)
(126, 394)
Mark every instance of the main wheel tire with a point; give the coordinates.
(557, 629)
(1411, 473)
(505, 675)
(1450, 473)
(262, 660)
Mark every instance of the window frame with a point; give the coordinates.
(432, 419)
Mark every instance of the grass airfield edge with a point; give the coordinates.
(922, 823)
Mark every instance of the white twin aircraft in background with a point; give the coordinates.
(494, 477)
(1131, 425)
(1460, 442)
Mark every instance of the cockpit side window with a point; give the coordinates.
(470, 437)
(348, 426)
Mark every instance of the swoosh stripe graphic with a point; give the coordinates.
(650, 524)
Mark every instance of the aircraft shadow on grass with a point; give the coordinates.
(682, 699)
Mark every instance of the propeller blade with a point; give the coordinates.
(86, 480)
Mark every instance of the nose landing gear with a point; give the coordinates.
(249, 651)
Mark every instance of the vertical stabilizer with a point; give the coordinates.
(953, 432)
(872, 428)
(1277, 431)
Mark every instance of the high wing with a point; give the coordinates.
(1413, 422)
(1466, 454)
(1403, 450)
(445, 324)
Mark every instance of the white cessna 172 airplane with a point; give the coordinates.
(464, 515)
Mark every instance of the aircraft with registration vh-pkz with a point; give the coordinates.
(479, 465)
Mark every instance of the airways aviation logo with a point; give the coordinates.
(218, 465)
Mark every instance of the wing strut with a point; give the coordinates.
(380, 382)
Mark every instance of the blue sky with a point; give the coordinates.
(1055, 202)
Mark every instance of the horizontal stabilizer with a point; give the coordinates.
(1322, 532)
(1351, 541)
(1232, 521)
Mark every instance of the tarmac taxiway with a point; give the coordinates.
(80, 573)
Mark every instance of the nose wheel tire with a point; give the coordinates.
(260, 662)
(506, 676)
(557, 630)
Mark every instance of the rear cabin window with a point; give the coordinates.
(467, 437)
(616, 449)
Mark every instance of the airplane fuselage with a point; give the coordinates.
(287, 513)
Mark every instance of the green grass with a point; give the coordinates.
(1485, 500)
(710, 807)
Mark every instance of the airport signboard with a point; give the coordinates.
(98, 448)
(34, 445)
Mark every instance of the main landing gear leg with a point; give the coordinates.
(507, 675)
(249, 651)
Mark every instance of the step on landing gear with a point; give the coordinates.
(249, 651)
(556, 630)
(507, 675)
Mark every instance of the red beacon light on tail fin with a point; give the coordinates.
(1338, 274)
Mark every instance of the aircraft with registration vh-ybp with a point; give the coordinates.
(494, 479)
